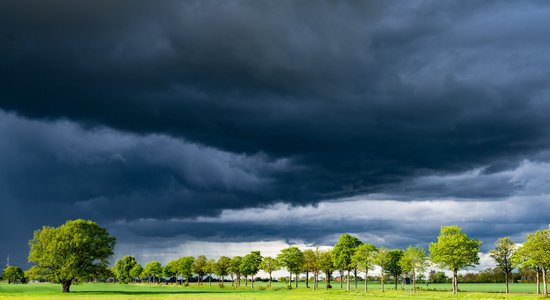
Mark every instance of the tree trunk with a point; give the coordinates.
(506, 279)
(382, 280)
(317, 280)
(210, 280)
(544, 283)
(395, 283)
(366, 277)
(269, 279)
(296, 277)
(414, 282)
(314, 280)
(355, 274)
(290, 279)
(252, 280)
(538, 281)
(307, 279)
(327, 280)
(246, 281)
(347, 282)
(341, 279)
(66, 285)
(455, 281)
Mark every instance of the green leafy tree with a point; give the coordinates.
(123, 267)
(250, 265)
(113, 272)
(343, 252)
(292, 259)
(381, 259)
(413, 261)
(171, 269)
(535, 252)
(34, 273)
(209, 269)
(136, 271)
(153, 270)
(502, 254)
(326, 265)
(454, 250)
(364, 259)
(221, 267)
(13, 274)
(103, 274)
(198, 267)
(527, 267)
(437, 277)
(185, 267)
(77, 249)
(235, 269)
(311, 264)
(269, 265)
(392, 267)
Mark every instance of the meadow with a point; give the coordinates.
(260, 291)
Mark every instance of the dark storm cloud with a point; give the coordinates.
(56, 171)
(180, 109)
(153, 188)
(104, 173)
(393, 87)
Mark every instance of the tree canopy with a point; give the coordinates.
(502, 254)
(364, 259)
(535, 252)
(123, 267)
(413, 261)
(454, 250)
(292, 259)
(136, 271)
(235, 267)
(392, 267)
(209, 269)
(381, 259)
(13, 274)
(343, 252)
(269, 265)
(326, 265)
(222, 266)
(198, 267)
(250, 264)
(153, 270)
(77, 249)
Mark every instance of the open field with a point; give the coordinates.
(140, 291)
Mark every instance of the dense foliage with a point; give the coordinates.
(76, 250)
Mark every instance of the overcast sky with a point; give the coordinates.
(188, 127)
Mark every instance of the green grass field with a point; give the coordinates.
(142, 291)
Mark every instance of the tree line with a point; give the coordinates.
(79, 250)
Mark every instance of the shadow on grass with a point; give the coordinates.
(141, 292)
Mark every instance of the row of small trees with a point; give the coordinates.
(454, 250)
(79, 250)
(127, 269)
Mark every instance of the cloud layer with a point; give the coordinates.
(153, 117)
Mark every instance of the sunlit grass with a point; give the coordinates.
(279, 291)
